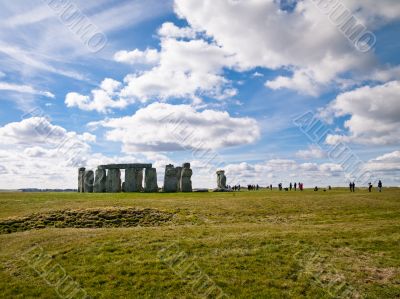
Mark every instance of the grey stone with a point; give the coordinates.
(113, 181)
(221, 179)
(170, 179)
(81, 179)
(89, 181)
(100, 181)
(185, 181)
(125, 166)
(123, 187)
(179, 177)
(133, 179)
(150, 180)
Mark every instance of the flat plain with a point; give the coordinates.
(261, 244)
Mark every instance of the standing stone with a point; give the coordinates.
(133, 179)
(113, 181)
(186, 182)
(100, 181)
(179, 177)
(123, 187)
(221, 179)
(150, 180)
(170, 179)
(81, 179)
(89, 181)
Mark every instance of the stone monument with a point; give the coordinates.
(133, 180)
(88, 181)
(150, 180)
(100, 181)
(81, 179)
(113, 181)
(221, 179)
(185, 181)
(170, 179)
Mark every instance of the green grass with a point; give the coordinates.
(248, 245)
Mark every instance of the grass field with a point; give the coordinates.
(264, 244)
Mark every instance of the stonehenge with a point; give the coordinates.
(150, 180)
(107, 178)
(178, 179)
(170, 179)
(185, 181)
(221, 179)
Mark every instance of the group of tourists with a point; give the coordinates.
(294, 187)
(352, 186)
(380, 185)
(253, 187)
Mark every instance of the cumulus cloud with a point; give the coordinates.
(389, 162)
(149, 56)
(169, 29)
(165, 127)
(42, 154)
(102, 99)
(187, 69)
(374, 114)
(313, 152)
(303, 40)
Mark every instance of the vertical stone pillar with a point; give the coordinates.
(186, 175)
(170, 179)
(133, 180)
(100, 181)
(178, 176)
(89, 181)
(150, 180)
(139, 179)
(221, 179)
(81, 179)
(113, 181)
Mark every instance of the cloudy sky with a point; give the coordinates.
(271, 91)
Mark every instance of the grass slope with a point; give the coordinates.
(264, 244)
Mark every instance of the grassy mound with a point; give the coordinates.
(89, 218)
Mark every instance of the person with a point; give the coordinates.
(380, 186)
(301, 186)
(369, 187)
(351, 187)
(329, 187)
(290, 186)
(270, 186)
(354, 187)
(257, 187)
(295, 186)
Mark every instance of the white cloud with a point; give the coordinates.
(374, 114)
(304, 41)
(169, 30)
(187, 69)
(164, 127)
(149, 56)
(101, 100)
(389, 162)
(24, 89)
(313, 152)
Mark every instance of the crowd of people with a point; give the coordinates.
(300, 186)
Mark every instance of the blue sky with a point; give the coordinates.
(215, 83)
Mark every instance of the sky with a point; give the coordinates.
(270, 91)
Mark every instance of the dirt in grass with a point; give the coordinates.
(89, 218)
